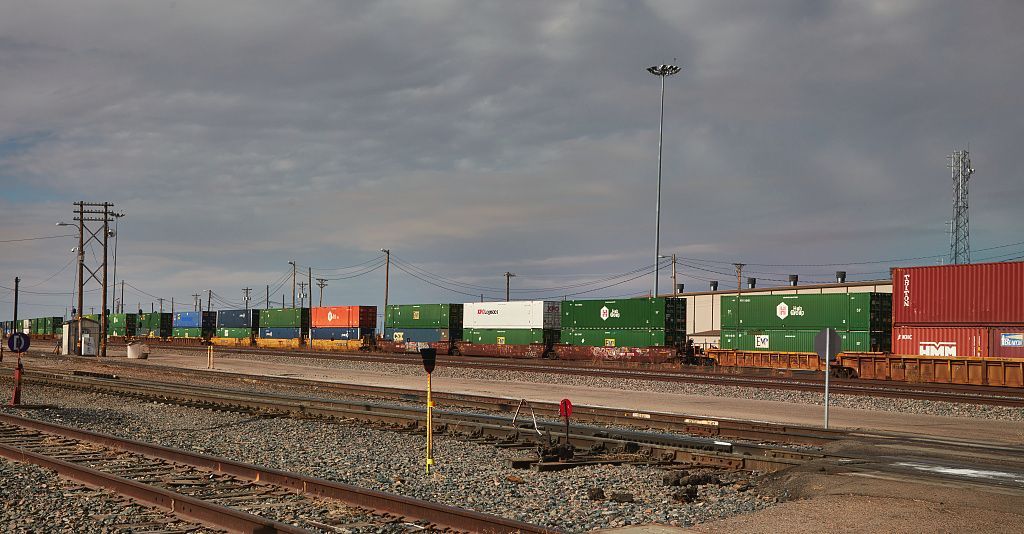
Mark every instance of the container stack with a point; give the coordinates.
(121, 324)
(236, 327)
(512, 323)
(154, 324)
(423, 323)
(194, 324)
(639, 322)
(283, 327)
(959, 311)
(342, 327)
(789, 323)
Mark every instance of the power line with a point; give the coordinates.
(35, 238)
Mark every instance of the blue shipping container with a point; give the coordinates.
(341, 333)
(238, 319)
(192, 319)
(419, 335)
(279, 333)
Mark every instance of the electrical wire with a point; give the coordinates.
(34, 238)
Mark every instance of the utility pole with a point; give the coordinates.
(387, 277)
(508, 282)
(93, 212)
(246, 298)
(302, 294)
(209, 299)
(293, 284)
(321, 283)
(122, 296)
(81, 269)
(268, 296)
(161, 304)
(309, 284)
(117, 217)
(661, 71)
(17, 281)
(739, 275)
(195, 302)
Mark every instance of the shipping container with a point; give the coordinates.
(432, 316)
(285, 317)
(344, 317)
(121, 324)
(531, 314)
(280, 332)
(195, 319)
(187, 332)
(510, 336)
(622, 337)
(340, 333)
(987, 294)
(419, 335)
(841, 311)
(802, 340)
(238, 319)
(959, 342)
(154, 324)
(234, 333)
(666, 313)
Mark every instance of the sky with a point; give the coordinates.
(477, 138)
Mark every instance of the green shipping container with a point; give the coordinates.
(802, 340)
(236, 333)
(424, 316)
(156, 324)
(622, 337)
(842, 311)
(517, 336)
(668, 313)
(285, 318)
(124, 324)
(187, 332)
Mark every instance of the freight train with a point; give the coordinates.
(957, 323)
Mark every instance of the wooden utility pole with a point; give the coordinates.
(246, 290)
(508, 283)
(387, 276)
(293, 284)
(739, 275)
(321, 283)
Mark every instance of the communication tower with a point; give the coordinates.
(960, 233)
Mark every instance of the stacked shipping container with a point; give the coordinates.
(121, 324)
(334, 323)
(789, 323)
(154, 324)
(640, 322)
(423, 323)
(237, 324)
(283, 326)
(194, 324)
(511, 323)
(959, 311)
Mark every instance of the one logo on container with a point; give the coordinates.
(761, 341)
(1011, 340)
(783, 310)
(606, 313)
(482, 311)
(906, 290)
(937, 348)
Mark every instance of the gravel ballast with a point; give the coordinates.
(468, 475)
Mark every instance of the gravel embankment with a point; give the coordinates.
(467, 475)
(37, 500)
(886, 404)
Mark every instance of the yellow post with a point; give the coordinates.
(430, 427)
(209, 357)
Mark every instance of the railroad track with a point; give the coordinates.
(689, 374)
(231, 495)
(495, 429)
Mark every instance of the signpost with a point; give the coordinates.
(827, 344)
(18, 343)
(429, 361)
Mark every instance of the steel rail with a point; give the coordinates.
(438, 514)
(663, 447)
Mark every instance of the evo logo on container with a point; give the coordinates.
(937, 348)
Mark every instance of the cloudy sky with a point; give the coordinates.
(474, 138)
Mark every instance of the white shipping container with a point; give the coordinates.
(516, 314)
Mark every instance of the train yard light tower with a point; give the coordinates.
(661, 71)
(960, 232)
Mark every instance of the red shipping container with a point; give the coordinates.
(948, 342)
(975, 294)
(344, 317)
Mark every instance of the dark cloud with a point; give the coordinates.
(476, 138)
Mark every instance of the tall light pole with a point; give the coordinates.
(661, 71)
(387, 279)
(292, 263)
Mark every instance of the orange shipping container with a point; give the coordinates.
(345, 317)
